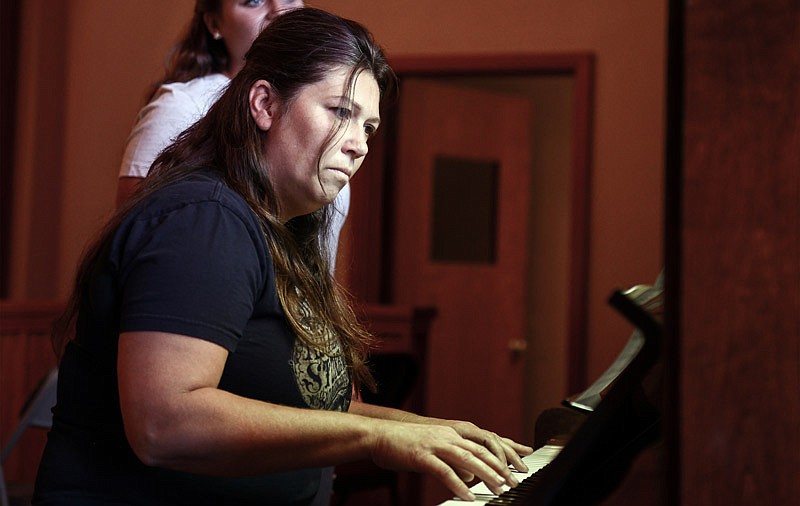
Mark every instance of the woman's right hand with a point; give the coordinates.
(441, 452)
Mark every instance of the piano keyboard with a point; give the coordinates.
(535, 461)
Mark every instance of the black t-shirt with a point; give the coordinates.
(192, 260)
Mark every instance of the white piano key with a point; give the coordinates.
(535, 461)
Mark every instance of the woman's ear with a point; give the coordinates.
(263, 104)
(211, 21)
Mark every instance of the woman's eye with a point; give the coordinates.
(369, 130)
(342, 112)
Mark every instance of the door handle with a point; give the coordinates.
(517, 345)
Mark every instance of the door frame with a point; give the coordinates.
(369, 250)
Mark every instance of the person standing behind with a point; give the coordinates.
(209, 54)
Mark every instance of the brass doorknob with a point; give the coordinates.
(517, 345)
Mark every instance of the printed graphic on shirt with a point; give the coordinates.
(321, 376)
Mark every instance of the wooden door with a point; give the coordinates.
(460, 234)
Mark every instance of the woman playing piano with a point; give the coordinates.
(207, 356)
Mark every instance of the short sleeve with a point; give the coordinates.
(159, 124)
(195, 270)
(176, 107)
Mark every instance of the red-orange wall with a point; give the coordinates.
(74, 117)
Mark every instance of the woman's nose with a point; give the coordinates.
(274, 9)
(356, 143)
(278, 7)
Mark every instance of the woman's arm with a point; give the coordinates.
(176, 417)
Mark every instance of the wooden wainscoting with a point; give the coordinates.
(25, 357)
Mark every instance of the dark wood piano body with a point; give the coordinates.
(602, 434)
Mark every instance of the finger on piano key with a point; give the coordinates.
(535, 462)
(460, 502)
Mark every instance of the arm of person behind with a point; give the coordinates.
(176, 417)
(126, 186)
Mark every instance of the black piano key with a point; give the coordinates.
(517, 494)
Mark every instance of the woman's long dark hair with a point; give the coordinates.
(197, 53)
(298, 49)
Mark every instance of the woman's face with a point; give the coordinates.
(239, 22)
(304, 181)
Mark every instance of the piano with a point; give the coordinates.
(611, 422)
